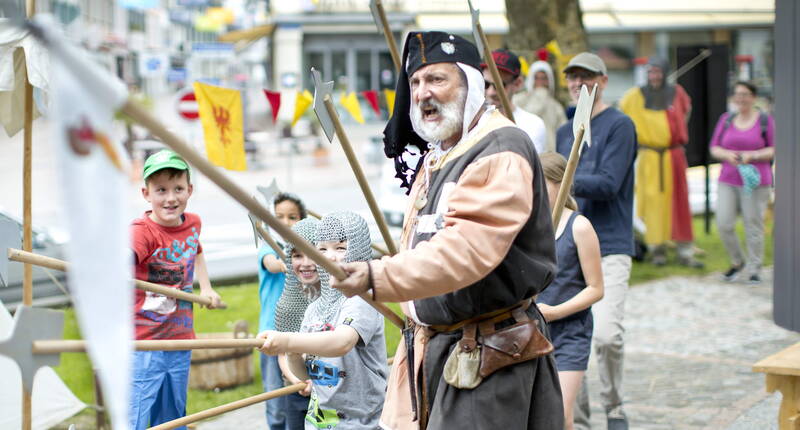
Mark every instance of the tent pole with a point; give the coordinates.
(27, 277)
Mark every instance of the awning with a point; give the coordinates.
(624, 16)
(247, 35)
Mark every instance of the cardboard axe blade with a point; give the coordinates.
(475, 14)
(10, 237)
(321, 90)
(376, 15)
(253, 221)
(269, 192)
(32, 324)
(583, 115)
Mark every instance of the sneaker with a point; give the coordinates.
(658, 260)
(691, 262)
(730, 275)
(616, 419)
(754, 279)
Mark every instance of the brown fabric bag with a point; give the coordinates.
(519, 342)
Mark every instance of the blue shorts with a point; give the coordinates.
(572, 339)
(158, 391)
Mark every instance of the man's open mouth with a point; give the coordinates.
(430, 113)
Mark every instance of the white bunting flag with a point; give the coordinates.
(93, 189)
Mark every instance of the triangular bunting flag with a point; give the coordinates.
(372, 98)
(523, 66)
(301, 104)
(389, 95)
(274, 99)
(350, 103)
(221, 115)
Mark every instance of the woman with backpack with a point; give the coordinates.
(744, 142)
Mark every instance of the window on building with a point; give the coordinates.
(135, 20)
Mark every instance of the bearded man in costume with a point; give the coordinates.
(660, 112)
(477, 245)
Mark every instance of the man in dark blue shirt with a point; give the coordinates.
(603, 188)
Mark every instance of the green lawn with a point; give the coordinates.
(242, 302)
(715, 259)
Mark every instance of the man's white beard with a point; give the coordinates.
(452, 121)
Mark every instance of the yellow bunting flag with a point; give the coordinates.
(221, 115)
(523, 66)
(301, 104)
(389, 95)
(561, 60)
(350, 103)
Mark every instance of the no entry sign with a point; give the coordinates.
(187, 106)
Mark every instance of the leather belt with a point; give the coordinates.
(499, 314)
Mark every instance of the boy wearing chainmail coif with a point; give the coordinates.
(301, 287)
(342, 339)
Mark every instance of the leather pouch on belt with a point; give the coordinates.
(519, 342)
(462, 368)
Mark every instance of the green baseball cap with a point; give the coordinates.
(163, 159)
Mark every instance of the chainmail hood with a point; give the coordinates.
(339, 226)
(295, 298)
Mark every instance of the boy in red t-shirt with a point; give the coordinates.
(166, 251)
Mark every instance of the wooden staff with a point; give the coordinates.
(498, 81)
(219, 410)
(133, 110)
(27, 220)
(360, 177)
(387, 32)
(569, 175)
(56, 264)
(60, 346)
(374, 246)
(270, 241)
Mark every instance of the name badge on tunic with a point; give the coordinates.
(434, 222)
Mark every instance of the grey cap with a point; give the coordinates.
(588, 61)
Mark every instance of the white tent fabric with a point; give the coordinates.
(18, 49)
(53, 402)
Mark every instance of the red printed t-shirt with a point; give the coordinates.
(166, 256)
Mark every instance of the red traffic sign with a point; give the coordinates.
(187, 107)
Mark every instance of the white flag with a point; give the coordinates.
(93, 188)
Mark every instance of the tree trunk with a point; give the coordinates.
(533, 23)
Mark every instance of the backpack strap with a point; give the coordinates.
(727, 125)
(763, 120)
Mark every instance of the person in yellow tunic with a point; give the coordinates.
(660, 112)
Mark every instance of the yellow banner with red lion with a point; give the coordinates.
(221, 116)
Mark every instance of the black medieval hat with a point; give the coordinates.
(420, 50)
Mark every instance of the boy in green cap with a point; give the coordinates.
(167, 251)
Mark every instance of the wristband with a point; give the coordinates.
(370, 284)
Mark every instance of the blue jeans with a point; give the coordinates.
(158, 391)
(286, 412)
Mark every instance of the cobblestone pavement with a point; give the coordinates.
(690, 344)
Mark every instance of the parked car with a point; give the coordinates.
(46, 292)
